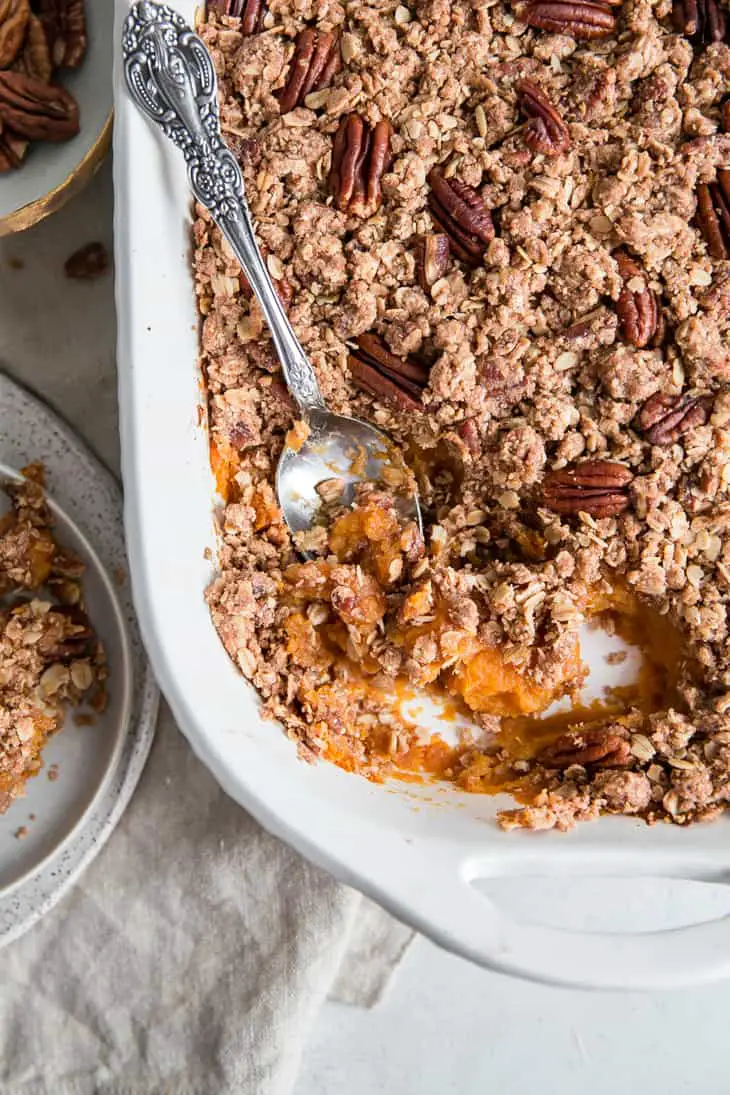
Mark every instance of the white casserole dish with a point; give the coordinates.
(422, 852)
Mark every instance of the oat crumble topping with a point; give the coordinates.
(506, 241)
(50, 658)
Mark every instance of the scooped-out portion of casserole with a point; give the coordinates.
(502, 233)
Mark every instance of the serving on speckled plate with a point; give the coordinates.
(70, 538)
(50, 657)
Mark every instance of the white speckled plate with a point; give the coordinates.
(67, 819)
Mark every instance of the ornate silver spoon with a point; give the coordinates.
(171, 78)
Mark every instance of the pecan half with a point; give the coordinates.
(637, 309)
(468, 431)
(35, 59)
(662, 330)
(385, 376)
(316, 60)
(13, 150)
(701, 21)
(461, 212)
(664, 418)
(64, 22)
(713, 214)
(596, 487)
(36, 110)
(79, 639)
(250, 12)
(14, 16)
(584, 19)
(432, 258)
(545, 132)
(88, 263)
(360, 158)
(247, 150)
(725, 116)
(284, 288)
(600, 748)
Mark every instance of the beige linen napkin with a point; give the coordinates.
(191, 958)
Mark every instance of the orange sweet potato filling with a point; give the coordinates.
(490, 685)
(369, 535)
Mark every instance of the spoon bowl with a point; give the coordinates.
(343, 448)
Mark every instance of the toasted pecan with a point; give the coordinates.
(380, 372)
(604, 747)
(665, 418)
(545, 132)
(713, 214)
(461, 212)
(637, 308)
(702, 21)
(316, 60)
(432, 258)
(360, 158)
(250, 12)
(582, 19)
(595, 487)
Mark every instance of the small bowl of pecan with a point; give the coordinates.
(55, 103)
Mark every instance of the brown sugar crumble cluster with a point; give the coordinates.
(501, 233)
(50, 658)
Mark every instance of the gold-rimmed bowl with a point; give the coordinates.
(52, 173)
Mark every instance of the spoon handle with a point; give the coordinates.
(171, 77)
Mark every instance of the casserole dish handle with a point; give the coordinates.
(467, 922)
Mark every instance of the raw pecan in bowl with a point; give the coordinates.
(13, 150)
(14, 16)
(35, 59)
(55, 124)
(37, 111)
(64, 22)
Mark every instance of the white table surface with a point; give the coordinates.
(448, 1028)
(445, 1027)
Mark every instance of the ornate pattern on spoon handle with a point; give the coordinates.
(171, 77)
